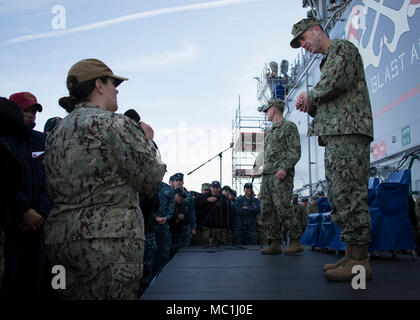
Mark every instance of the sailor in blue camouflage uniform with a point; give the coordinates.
(189, 230)
(247, 207)
(160, 225)
(178, 221)
(342, 119)
(96, 163)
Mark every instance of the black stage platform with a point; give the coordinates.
(242, 273)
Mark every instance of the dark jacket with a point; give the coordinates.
(175, 224)
(215, 214)
(26, 274)
(11, 118)
(199, 208)
(148, 206)
(32, 193)
(11, 166)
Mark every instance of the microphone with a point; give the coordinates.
(132, 114)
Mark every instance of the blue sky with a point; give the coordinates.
(187, 61)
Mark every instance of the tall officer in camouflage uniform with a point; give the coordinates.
(160, 225)
(261, 230)
(189, 229)
(97, 162)
(281, 153)
(343, 122)
(247, 207)
(300, 213)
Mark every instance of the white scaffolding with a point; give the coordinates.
(248, 136)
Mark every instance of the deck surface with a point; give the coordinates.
(242, 273)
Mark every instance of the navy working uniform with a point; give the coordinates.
(162, 234)
(245, 228)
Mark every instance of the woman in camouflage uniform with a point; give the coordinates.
(96, 163)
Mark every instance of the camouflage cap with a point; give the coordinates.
(89, 69)
(300, 27)
(271, 103)
(205, 186)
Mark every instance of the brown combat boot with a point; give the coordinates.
(358, 255)
(294, 247)
(274, 248)
(331, 266)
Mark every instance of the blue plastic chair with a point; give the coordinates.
(329, 234)
(373, 185)
(403, 177)
(323, 205)
(390, 224)
(310, 235)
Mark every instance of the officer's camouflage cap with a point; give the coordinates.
(205, 186)
(299, 28)
(90, 69)
(271, 103)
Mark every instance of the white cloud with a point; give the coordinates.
(131, 17)
(161, 60)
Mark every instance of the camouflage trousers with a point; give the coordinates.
(215, 236)
(301, 217)
(347, 173)
(150, 251)
(178, 242)
(186, 231)
(276, 208)
(164, 243)
(99, 269)
(261, 236)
